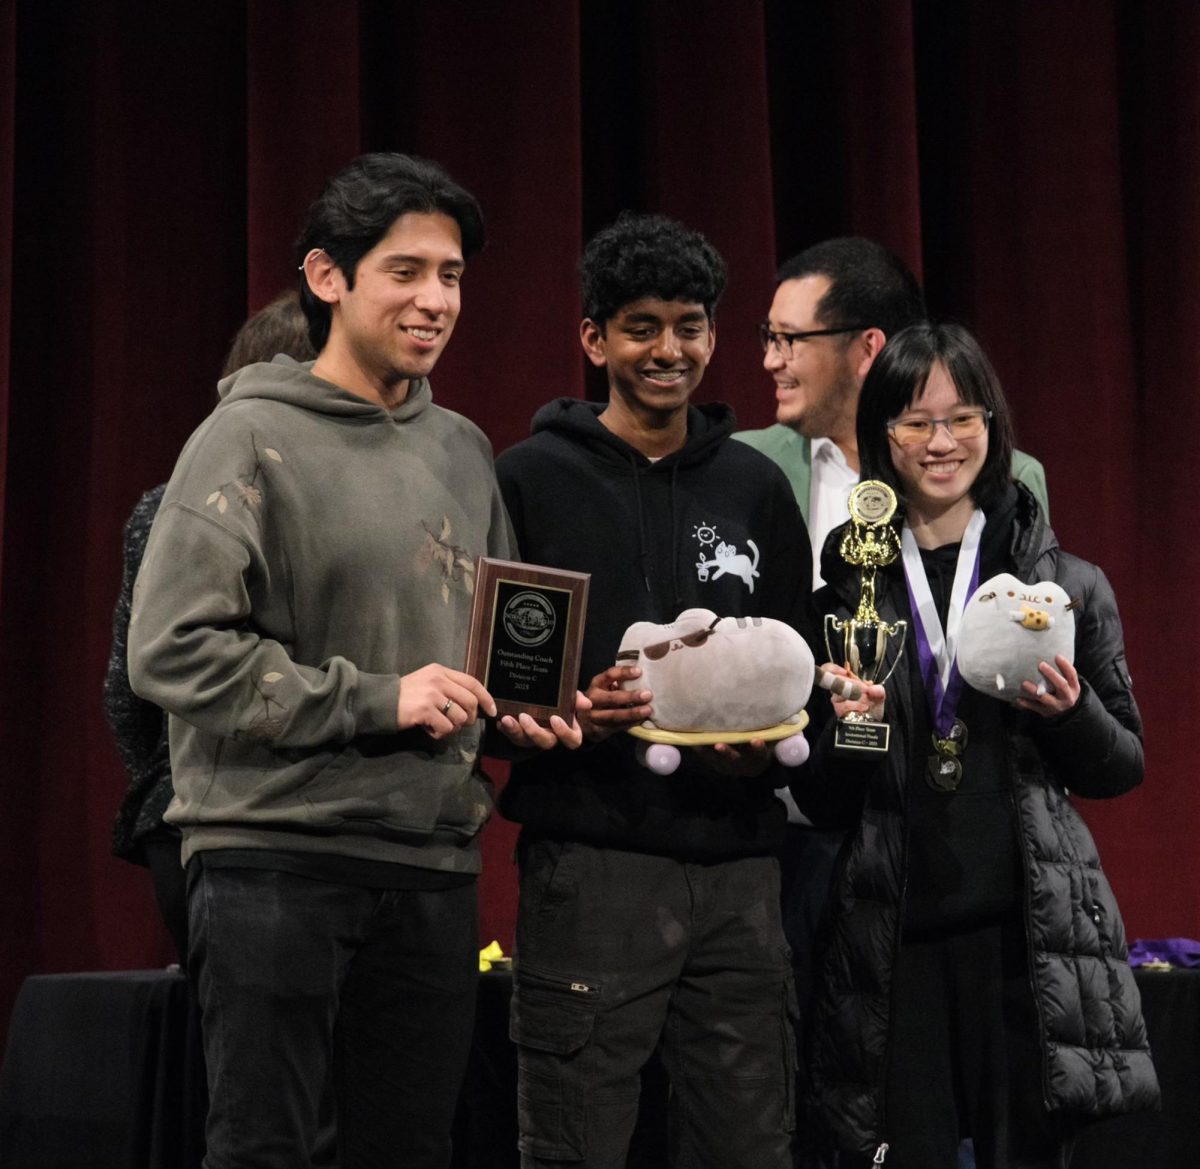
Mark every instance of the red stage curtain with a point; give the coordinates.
(1038, 163)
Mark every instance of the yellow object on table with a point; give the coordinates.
(492, 957)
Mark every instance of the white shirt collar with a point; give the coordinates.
(832, 481)
(826, 449)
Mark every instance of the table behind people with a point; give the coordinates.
(55, 1112)
(649, 912)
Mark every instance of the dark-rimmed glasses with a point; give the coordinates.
(960, 425)
(783, 342)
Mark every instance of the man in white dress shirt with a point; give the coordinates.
(835, 306)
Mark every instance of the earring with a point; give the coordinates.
(313, 252)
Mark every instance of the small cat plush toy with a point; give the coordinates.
(1008, 627)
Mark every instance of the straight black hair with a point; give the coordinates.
(898, 376)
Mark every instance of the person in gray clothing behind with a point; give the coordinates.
(307, 579)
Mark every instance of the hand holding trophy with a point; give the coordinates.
(869, 543)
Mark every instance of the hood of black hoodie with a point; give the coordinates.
(707, 426)
(578, 423)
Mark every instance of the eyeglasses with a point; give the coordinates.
(963, 425)
(783, 341)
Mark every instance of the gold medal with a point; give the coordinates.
(954, 742)
(943, 773)
(944, 770)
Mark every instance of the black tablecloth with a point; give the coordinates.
(104, 1071)
(1153, 1140)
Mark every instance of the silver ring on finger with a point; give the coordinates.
(446, 708)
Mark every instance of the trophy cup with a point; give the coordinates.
(869, 543)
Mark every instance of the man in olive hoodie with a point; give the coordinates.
(301, 610)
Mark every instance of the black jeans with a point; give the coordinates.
(170, 892)
(619, 953)
(305, 984)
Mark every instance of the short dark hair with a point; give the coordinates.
(279, 327)
(357, 209)
(868, 285)
(897, 377)
(648, 255)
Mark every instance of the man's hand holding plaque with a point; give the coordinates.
(524, 647)
(523, 730)
(867, 641)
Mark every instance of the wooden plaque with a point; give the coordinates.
(526, 636)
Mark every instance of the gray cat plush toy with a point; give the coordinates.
(1008, 627)
(719, 679)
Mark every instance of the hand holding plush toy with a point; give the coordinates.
(719, 680)
(1010, 634)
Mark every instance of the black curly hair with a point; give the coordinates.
(648, 255)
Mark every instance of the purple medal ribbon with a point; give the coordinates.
(943, 703)
(939, 669)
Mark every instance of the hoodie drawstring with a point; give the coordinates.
(643, 552)
(675, 547)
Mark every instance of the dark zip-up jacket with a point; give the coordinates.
(139, 727)
(1095, 1057)
(582, 499)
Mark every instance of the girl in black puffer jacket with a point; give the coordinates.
(975, 978)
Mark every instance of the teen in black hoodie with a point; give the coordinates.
(650, 904)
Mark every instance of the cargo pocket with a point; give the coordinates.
(551, 1023)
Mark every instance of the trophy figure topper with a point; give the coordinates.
(869, 543)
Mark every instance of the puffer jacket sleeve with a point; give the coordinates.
(1096, 747)
(829, 789)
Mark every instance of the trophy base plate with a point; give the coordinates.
(861, 737)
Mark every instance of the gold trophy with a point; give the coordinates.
(869, 543)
